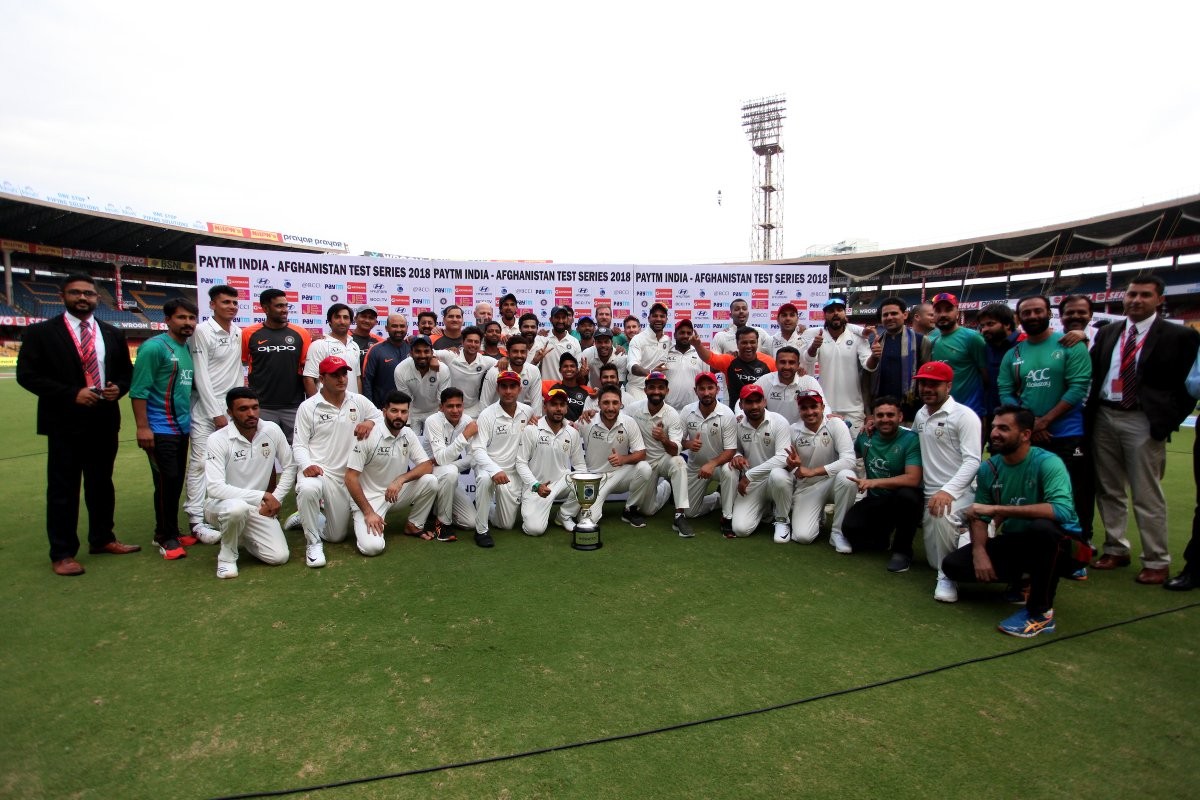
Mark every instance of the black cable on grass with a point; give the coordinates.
(694, 723)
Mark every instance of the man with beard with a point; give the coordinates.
(449, 433)
(903, 351)
(787, 317)
(452, 328)
(239, 471)
(547, 350)
(763, 439)
(923, 320)
(604, 318)
(389, 468)
(364, 335)
(997, 325)
(491, 341)
(530, 392)
(821, 466)
(710, 442)
(379, 373)
(613, 446)
(1075, 312)
(528, 324)
(782, 386)
(338, 342)
(609, 376)
(585, 332)
(840, 356)
(1138, 398)
(547, 453)
(422, 378)
(741, 369)
(648, 351)
(630, 328)
(161, 395)
(509, 324)
(274, 353)
(577, 396)
(601, 354)
(327, 424)
(725, 341)
(662, 432)
(681, 365)
(468, 369)
(892, 458)
(1026, 492)
(1052, 381)
(964, 350)
(951, 448)
(494, 451)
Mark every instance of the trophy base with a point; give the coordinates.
(586, 539)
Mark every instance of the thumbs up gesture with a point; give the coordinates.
(659, 433)
(876, 344)
(614, 459)
(817, 341)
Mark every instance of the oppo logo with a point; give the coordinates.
(276, 348)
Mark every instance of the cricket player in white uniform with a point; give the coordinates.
(546, 454)
(613, 446)
(601, 354)
(239, 466)
(820, 468)
(338, 342)
(648, 351)
(780, 387)
(546, 351)
(530, 386)
(494, 451)
(725, 340)
(422, 378)
(787, 317)
(840, 351)
(327, 424)
(389, 468)
(950, 456)
(468, 369)
(449, 433)
(662, 432)
(609, 376)
(709, 442)
(681, 366)
(217, 359)
(763, 438)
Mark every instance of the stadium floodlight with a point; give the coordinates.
(762, 120)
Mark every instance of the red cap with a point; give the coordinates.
(508, 376)
(945, 297)
(556, 390)
(749, 390)
(787, 307)
(936, 371)
(706, 376)
(656, 376)
(331, 364)
(809, 394)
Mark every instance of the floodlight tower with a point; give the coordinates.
(763, 121)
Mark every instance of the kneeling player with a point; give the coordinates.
(449, 434)
(237, 471)
(546, 454)
(710, 442)
(662, 431)
(612, 446)
(821, 463)
(759, 466)
(389, 468)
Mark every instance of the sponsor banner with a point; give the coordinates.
(702, 293)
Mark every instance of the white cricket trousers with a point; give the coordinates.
(535, 509)
(418, 494)
(507, 497)
(809, 497)
(195, 503)
(309, 494)
(454, 506)
(750, 508)
(699, 500)
(645, 483)
(242, 526)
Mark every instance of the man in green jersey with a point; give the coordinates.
(964, 350)
(1026, 492)
(892, 457)
(162, 407)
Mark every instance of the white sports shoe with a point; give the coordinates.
(293, 522)
(783, 533)
(839, 542)
(207, 534)
(567, 523)
(314, 555)
(226, 569)
(946, 591)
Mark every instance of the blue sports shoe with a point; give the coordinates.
(1026, 625)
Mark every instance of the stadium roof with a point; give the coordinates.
(1137, 234)
(57, 225)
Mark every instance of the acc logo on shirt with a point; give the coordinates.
(239, 456)
(1038, 374)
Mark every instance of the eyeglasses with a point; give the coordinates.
(81, 293)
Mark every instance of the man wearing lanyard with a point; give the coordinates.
(78, 367)
(1138, 398)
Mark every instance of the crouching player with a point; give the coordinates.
(821, 466)
(662, 432)
(892, 456)
(1026, 491)
(762, 450)
(389, 468)
(546, 454)
(238, 470)
(449, 434)
(613, 445)
(710, 442)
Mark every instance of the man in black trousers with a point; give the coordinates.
(79, 368)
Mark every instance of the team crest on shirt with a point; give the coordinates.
(265, 449)
(432, 378)
(1056, 355)
(289, 339)
(940, 430)
(479, 368)
(501, 429)
(323, 417)
(825, 438)
(353, 414)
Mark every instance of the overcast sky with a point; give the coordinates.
(601, 133)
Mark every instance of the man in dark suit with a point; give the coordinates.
(1138, 398)
(79, 368)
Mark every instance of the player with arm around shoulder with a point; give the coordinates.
(546, 454)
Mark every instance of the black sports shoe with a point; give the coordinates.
(727, 528)
(633, 517)
(484, 539)
(899, 562)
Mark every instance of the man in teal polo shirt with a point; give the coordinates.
(161, 394)
(1026, 492)
(964, 349)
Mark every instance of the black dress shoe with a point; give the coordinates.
(1183, 582)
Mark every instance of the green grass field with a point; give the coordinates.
(148, 679)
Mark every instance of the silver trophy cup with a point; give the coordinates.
(586, 535)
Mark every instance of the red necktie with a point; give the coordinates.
(87, 354)
(1129, 376)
